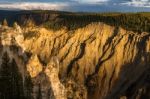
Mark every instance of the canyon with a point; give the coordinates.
(97, 61)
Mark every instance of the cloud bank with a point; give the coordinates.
(34, 6)
(77, 5)
(137, 3)
(91, 1)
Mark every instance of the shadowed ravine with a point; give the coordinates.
(97, 61)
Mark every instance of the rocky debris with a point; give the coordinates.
(75, 90)
(34, 67)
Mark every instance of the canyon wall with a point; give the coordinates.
(97, 61)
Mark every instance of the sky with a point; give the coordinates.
(78, 5)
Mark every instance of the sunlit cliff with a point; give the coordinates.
(97, 61)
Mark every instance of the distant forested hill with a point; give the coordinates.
(138, 22)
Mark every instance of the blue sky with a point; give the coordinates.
(78, 5)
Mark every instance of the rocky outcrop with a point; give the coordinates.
(97, 61)
(52, 72)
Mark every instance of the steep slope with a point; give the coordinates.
(97, 61)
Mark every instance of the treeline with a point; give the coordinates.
(134, 22)
(138, 22)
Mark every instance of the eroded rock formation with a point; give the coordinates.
(97, 61)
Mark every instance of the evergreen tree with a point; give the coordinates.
(39, 95)
(5, 73)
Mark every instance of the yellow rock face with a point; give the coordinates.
(100, 61)
(97, 49)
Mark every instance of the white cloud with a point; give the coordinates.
(34, 6)
(137, 3)
(91, 1)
